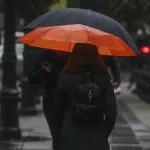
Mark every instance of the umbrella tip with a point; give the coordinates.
(89, 12)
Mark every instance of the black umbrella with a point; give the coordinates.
(66, 16)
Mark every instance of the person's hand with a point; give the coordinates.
(115, 84)
(46, 66)
(117, 88)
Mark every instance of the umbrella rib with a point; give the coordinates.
(69, 46)
(56, 15)
(86, 32)
(40, 37)
(111, 52)
(44, 17)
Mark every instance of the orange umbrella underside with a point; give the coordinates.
(63, 38)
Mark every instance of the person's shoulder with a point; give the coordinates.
(68, 76)
(69, 79)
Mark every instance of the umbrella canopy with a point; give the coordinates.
(66, 16)
(64, 38)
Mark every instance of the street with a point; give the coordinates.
(132, 129)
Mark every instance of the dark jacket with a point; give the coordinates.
(48, 80)
(79, 137)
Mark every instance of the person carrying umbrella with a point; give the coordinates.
(46, 72)
(64, 39)
(80, 123)
(48, 69)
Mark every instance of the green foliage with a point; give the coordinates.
(41, 5)
(36, 6)
(102, 6)
(59, 4)
(133, 14)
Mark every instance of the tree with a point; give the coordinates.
(133, 14)
(102, 6)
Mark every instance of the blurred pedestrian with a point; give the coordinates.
(113, 67)
(135, 64)
(84, 106)
(46, 72)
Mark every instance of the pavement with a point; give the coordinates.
(35, 135)
(132, 129)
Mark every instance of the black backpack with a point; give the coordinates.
(86, 105)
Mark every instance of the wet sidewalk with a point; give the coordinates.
(35, 135)
(131, 130)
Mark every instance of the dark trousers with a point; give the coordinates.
(49, 119)
(47, 109)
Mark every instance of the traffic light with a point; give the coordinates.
(145, 49)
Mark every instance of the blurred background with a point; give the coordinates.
(132, 14)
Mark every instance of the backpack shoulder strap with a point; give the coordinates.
(87, 77)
